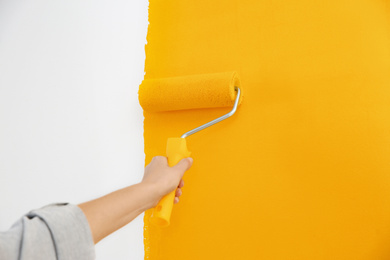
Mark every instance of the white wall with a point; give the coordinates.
(70, 123)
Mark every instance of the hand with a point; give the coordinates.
(165, 179)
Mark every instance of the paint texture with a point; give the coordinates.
(302, 171)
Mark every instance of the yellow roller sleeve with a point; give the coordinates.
(189, 92)
(176, 150)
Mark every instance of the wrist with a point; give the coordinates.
(151, 195)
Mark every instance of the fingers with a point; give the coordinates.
(181, 183)
(177, 194)
(184, 165)
(160, 160)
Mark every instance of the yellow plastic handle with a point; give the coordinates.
(176, 150)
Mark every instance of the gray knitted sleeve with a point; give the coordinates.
(57, 231)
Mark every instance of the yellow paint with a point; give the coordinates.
(302, 171)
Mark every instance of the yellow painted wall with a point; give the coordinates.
(302, 171)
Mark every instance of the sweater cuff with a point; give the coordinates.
(70, 230)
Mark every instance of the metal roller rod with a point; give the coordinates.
(219, 119)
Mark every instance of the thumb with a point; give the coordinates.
(184, 165)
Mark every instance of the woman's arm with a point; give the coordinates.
(111, 212)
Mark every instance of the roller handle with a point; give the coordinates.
(176, 150)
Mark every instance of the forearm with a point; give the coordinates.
(111, 212)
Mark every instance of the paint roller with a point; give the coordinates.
(181, 93)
